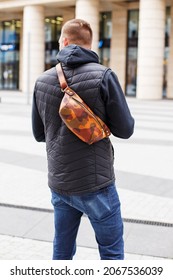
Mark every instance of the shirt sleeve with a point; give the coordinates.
(119, 118)
(37, 124)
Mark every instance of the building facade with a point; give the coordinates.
(134, 38)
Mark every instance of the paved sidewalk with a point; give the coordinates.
(143, 166)
(14, 248)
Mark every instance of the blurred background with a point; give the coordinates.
(134, 38)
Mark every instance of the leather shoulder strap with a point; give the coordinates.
(61, 76)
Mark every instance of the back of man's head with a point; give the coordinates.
(78, 32)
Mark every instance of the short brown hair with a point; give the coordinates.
(78, 31)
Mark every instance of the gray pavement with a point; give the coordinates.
(143, 166)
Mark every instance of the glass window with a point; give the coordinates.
(9, 54)
(105, 38)
(166, 50)
(53, 27)
(132, 47)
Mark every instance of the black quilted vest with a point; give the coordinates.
(74, 167)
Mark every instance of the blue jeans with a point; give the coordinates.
(103, 210)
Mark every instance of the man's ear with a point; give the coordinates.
(65, 42)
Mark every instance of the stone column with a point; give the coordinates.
(89, 11)
(170, 62)
(33, 46)
(118, 43)
(151, 49)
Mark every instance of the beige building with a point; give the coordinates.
(134, 38)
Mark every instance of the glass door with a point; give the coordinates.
(132, 49)
(105, 37)
(53, 27)
(9, 54)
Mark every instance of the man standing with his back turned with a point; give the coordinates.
(81, 176)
